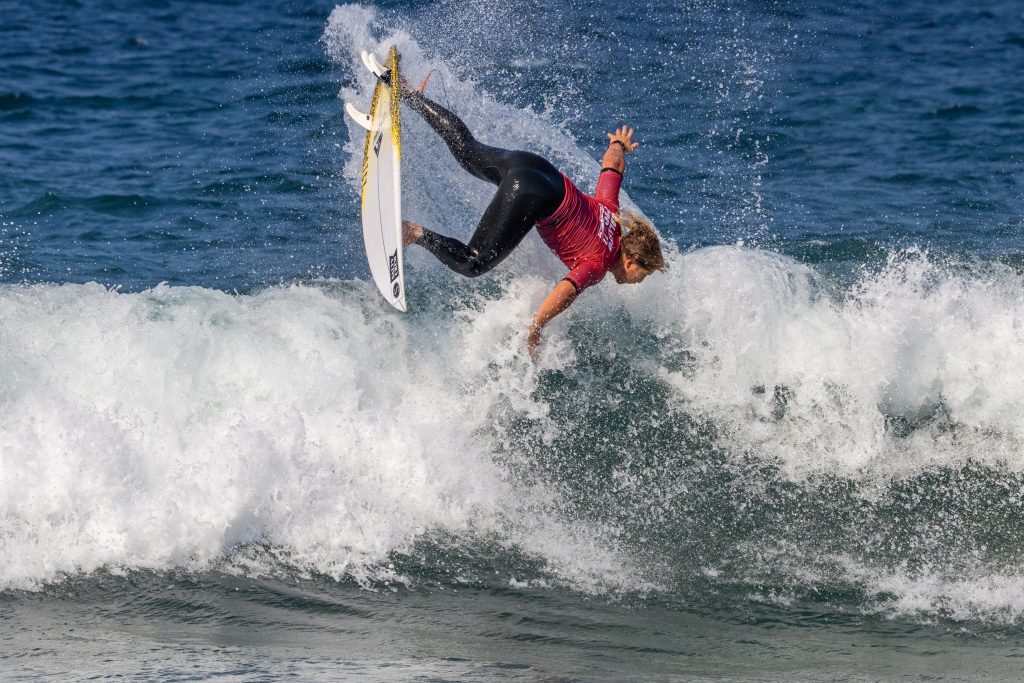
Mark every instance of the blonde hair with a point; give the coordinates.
(640, 242)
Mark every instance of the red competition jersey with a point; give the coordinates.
(583, 231)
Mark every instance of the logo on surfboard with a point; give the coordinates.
(393, 266)
(376, 143)
(396, 289)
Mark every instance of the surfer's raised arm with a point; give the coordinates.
(620, 143)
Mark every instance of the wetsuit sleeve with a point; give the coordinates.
(585, 274)
(608, 184)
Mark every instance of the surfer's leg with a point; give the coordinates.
(525, 196)
(480, 160)
(501, 230)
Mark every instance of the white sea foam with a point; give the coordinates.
(164, 428)
(986, 596)
(795, 372)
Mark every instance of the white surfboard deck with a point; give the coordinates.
(382, 183)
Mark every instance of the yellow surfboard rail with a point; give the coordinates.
(391, 64)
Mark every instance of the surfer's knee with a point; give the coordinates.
(478, 264)
(475, 267)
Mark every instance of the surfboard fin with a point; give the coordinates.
(377, 68)
(372, 65)
(358, 116)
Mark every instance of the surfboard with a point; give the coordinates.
(382, 181)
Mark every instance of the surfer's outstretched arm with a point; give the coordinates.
(560, 298)
(620, 143)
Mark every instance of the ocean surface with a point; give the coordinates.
(797, 455)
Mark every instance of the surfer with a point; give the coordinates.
(584, 232)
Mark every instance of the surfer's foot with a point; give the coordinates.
(411, 233)
(403, 84)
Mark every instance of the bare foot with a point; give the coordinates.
(411, 233)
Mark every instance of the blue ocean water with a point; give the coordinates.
(797, 455)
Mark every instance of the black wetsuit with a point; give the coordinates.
(529, 189)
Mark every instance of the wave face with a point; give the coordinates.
(745, 427)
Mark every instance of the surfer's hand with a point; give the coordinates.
(560, 298)
(624, 136)
(411, 233)
(533, 339)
